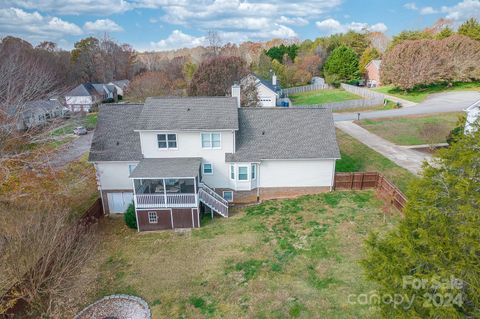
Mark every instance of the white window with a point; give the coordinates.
(243, 173)
(254, 171)
(228, 196)
(211, 140)
(232, 172)
(131, 167)
(167, 141)
(152, 217)
(207, 169)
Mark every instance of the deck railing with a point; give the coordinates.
(168, 200)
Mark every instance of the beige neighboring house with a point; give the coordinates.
(372, 73)
(121, 86)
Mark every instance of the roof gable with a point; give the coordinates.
(189, 113)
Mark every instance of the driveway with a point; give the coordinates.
(72, 151)
(436, 103)
(404, 157)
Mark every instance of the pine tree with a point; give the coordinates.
(470, 28)
(438, 239)
(341, 65)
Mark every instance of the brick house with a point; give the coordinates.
(372, 73)
(174, 157)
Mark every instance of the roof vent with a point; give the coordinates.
(118, 143)
(188, 109)
(263, 132)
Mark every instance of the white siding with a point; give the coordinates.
(114, 175)
(189, 144)
(79, 103)
(296, 173)
(266, 96)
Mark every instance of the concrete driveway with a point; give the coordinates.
(436, 103)
(407, 158)
(72, 151)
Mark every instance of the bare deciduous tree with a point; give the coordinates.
(41, 255)
(249, 92)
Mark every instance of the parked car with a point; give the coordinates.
(80, 130)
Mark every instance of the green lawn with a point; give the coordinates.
(419, 94)
(322, 96)
(295, 258)
(413, 130)
(89, 121)
(359, 157)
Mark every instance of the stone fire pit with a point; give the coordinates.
(116, 307)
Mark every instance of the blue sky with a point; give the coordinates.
(151, 25)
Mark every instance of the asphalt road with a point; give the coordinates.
(437, 103)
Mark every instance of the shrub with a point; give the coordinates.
(130, 217)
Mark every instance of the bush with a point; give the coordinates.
(130, 217)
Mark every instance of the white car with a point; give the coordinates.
(80, 130)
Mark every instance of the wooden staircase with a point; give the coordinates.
(210, 198)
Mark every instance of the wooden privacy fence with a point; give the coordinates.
(372, 180)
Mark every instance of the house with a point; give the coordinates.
(174, 156)
(121, 86)
(473, 116)
(88, 95)
(268, 91)
(39, 112)
(372, 73)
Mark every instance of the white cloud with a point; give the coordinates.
(463, 10)
(428, 10)
(102, 25)
(410, 6)
(423, 11)
(293, 21)
(331, 26)
(74, 7)
(178, 39)
(34, 26)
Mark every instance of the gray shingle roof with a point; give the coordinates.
(167, 167)
(189, 113)
(86, 89)
(272, 133)
(114, 138)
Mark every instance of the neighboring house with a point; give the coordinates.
(473, 116)
(88, 95)
(372, 73)
(174, 156)
(121, 86)
(268, 91)
(39, 112)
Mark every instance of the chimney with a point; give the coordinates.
(274, 79)
(236, 92)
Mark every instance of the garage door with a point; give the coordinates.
(118, 202)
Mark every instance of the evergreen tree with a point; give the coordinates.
(445, 33)
(470, 28)
(341, 66)
(438, 239)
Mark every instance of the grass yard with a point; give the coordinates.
(322, 96)
(89, 121)
(359, 157)
(413, 130)
(419, 94)
(295, 258)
